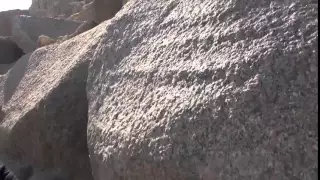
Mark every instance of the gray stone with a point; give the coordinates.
(6, 20)
(4, 68)
(212, 90)
(176, 90)
(27, 29)
(9, 51)
(44, 100)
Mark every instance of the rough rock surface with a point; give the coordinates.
(210, 90)
(27, 29)
(6, 20)
(9, 51)
(45, 107)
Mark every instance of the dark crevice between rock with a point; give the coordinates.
(10, 53)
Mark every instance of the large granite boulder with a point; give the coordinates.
(206, 90)
(43, 98)
(6, 20)
(27, 29)
(9, 51)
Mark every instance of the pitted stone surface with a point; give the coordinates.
(206, 90)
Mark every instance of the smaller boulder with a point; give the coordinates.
(44, 40)
(9, 51)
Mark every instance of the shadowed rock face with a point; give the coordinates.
(9, 51)
(208, 90)
(6, 20)
(105, 9)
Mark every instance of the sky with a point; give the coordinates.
(14, 4)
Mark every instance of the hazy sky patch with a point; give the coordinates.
(14, 4)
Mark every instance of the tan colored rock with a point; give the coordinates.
(44, 41)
